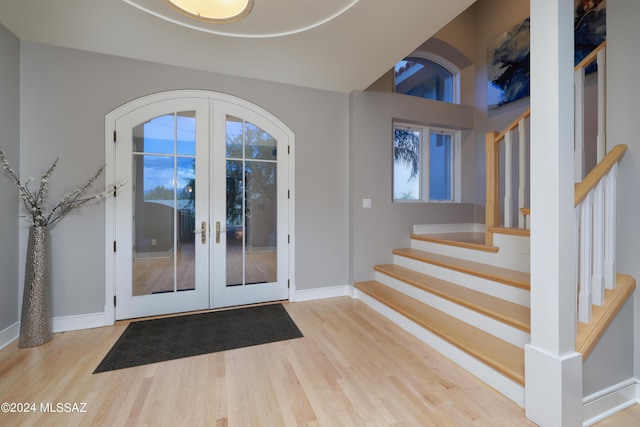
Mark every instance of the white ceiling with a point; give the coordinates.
(337, 45)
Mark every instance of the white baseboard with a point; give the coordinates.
(80, 321)
(448, 228)
(607, 402)
(9, 335)
(58, 324)
(322, 293)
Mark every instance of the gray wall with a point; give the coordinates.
(611, 361)
(10, 144)
(65, 95)
(623, 127)
(376, 231)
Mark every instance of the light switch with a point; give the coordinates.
(366, 203)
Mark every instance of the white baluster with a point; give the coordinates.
(584, 297)
(579, 126)
(522, 168)
(610, 228)
(508, 178)
(576, 250)
(602, 110)
(597, 280)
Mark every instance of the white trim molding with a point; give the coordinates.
(9, 334)
(322, 293)
(58, 324)
(605, 403)
(77, 322)
(448, 228)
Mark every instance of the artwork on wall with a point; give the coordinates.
(590, 28)
(508, 54)
(508, 66)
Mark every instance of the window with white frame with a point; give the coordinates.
(427, 76)
(426, 164)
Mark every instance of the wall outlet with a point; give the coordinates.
(366, 203)
(154, 242)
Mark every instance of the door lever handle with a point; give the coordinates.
(218, 230)
(203, 232)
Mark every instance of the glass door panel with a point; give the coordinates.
(261, 240)
(251, 243)
(164, 205)
(252, 247)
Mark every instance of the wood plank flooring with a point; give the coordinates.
(352, 368)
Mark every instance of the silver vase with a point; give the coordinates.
(35, 324)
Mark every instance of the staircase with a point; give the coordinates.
(468, 294)
(474, 312)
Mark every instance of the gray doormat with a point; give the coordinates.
(159, 340)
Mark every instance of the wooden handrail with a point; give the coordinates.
(513, 125)
(597, 173)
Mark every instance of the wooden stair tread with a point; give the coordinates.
(469, 240)
(499, 274)
(590, 333)
(525, 232)
(502, 356)
(507, 312)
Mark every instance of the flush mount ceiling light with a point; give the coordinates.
(213, 11)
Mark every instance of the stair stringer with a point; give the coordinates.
(513, 251)
(495, 327)
(489, 287)
(490, 376)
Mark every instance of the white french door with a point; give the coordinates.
(250, 184)
(203, 218)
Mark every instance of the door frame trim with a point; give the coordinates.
(110, 229)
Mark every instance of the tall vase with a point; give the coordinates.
(35, 324)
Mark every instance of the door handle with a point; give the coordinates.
(203, 232)
(218, 230)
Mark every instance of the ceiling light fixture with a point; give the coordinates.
(213, 11)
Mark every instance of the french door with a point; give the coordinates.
(202, 220)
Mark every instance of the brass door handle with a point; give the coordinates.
(203, 232)
(218, 230)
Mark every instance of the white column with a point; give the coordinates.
(553, 370)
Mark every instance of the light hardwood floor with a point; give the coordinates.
(352, 368)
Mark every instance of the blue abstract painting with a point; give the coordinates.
(508, 54)
(508, 66)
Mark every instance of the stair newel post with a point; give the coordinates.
(492, 208)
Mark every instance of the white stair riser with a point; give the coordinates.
(514, 252)
(490, 376)
(489, 287)
(492, 326)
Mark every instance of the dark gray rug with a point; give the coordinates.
(158, 340)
